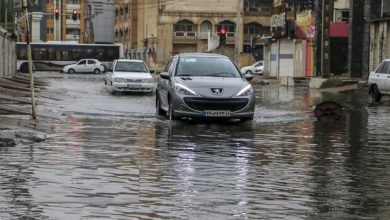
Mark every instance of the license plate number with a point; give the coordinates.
(133, 85)
(216, 113)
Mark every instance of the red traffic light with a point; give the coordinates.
(222, 36)
(222, 31)
(57, 13)
(74, 15)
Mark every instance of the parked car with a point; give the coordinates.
(256, 68)
(379, 81)
(203, 85)
(129, 76)
(84, 66)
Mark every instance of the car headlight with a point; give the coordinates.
(247, 90)
(120, 80)
(147, 80)
(183, 89)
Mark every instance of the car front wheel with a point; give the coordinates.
(159, 110)
(71, 71)
(375, 94)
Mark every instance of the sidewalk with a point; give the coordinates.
(16, 124)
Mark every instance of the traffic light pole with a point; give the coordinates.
(238, 29)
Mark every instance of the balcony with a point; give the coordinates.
(258, 11)
(182, 37)
(72, 37)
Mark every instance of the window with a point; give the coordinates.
(82, 62)
(77, 2)
(252, 28)
(228, 25)
(184, 26)
(76, 53)
(91, 62)
(39, 53)
(383, 68)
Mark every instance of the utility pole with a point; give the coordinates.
(6, 15)
(238, 29)
(33, 110)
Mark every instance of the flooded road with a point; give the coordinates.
(113, 158)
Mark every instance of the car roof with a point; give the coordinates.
(130, 60)
(201, 55)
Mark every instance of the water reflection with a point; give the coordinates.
(283, 165)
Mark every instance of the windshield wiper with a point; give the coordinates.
(221, 74)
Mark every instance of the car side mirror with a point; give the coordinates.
(165, 75)
(152, 71)
(248, 77)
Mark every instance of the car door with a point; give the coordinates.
(110, 73)
(81, 66)
(163, 84)
(91, 65)
(259, 67)
(380, 77)
(386, 80)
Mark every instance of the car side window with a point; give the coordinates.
(383, 68)
(82, 62)
(171, 68)
(168, 65)
(91, 62)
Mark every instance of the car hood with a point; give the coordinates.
(203, 85)
(70, 66)
(133, 75)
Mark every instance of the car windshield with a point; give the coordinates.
(126, 66)
(207, 66)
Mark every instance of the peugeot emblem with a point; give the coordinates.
(217, 91)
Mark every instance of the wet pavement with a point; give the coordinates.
(113, 158)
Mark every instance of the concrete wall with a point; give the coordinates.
(7, 54)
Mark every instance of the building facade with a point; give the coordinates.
(46, 26)
(379, 32)
(99, 20)
(159, 29)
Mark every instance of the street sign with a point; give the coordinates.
(18, 5)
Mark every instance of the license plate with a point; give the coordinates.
(133, 85)
(216, 113)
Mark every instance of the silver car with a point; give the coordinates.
(129, 76)
(379, 81)
(203, 85)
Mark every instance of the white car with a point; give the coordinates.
(256, 68)
(84, 66)
(129, 76)
(379, 81)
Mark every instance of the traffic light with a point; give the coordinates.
(57, 13)
(253, 42)
(222, 36)
(74, 15)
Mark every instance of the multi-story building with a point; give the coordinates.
(65, 28)
(45, 26)
(99, 21)
(379, 21)
(159, 29)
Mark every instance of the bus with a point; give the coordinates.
(54, 55)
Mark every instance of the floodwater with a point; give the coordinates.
(113, 158)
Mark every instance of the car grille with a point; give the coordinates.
(202, 104)
(133, 80)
